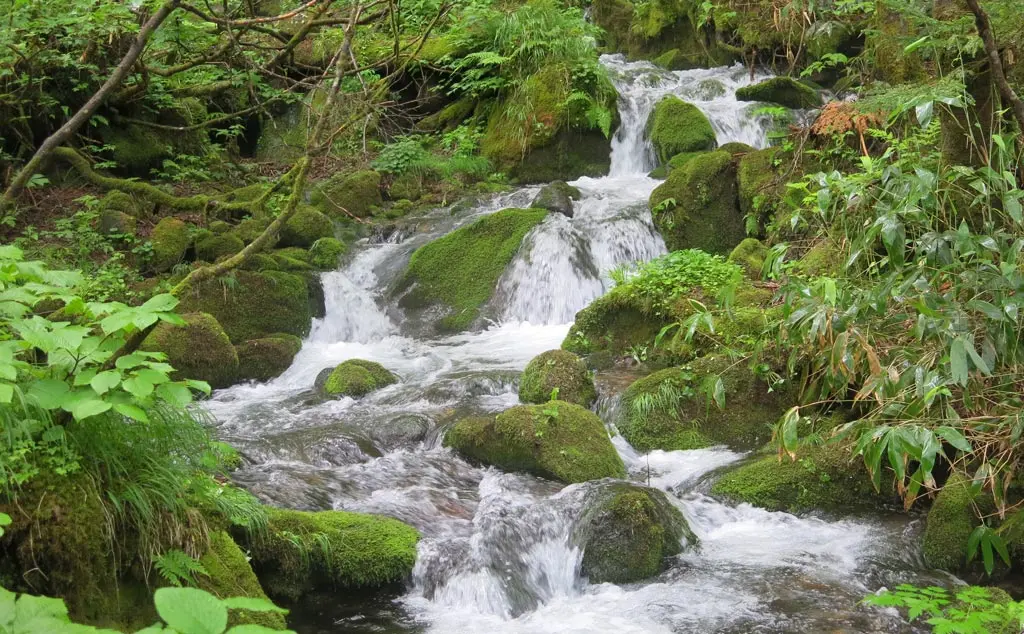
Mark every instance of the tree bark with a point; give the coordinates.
(996, 62)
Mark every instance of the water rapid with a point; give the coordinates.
(499, 551)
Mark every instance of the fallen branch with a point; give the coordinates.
(996, 62)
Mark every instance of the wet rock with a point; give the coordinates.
(784, 91)
(557, 197)
(557, 370)
(400, 431)
(355, 377)
(676, 126)
(198, 349)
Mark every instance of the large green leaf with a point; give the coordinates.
(191, 611)
(49, 393)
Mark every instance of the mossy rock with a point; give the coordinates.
(631, 533)
(356, 194)
(251, 228)
(825, 478)
(750, 254)
(325, 253)
(951, 520)
(228, 574)
(784, 91)
(824, 259)
(697, 207)
(220, 226)
(254, 304)
(200, 349)
(573, 153)
(118, 214)
(292, 259)
(680, 160)
(449, 117)
(216, 246)
(558, 440)
(614, 322)
(306, 226)
(759, 192)
(266, 358)
(736, 148)
(408, 187)
(357, 377)
(457, 273)
(136, 149)
(686, 420)
(170, 239)
(676, 126)
(561, 370)
(260, 262)
(303, 551)
(557, 197)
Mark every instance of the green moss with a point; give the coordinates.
(950, 523)
(230, 575)
(325, 253)
(827, 477)
(200, 349)
(784, 91)
(759, 193)
(408, 187)
(137, 149)
(572, 153)
(823, 259)
(117, 214)
(254, 304)
(631, 534)
(306, 226)
(668, 409)
(216, 246)
(614, 17)
(561, 370)
(750, 254)
(170, 239)
(680, 160)
(344, 195)
(613, 322)
(460, 270)
(357, 377)
(698, 206)
(449, 117)
(260, 262)
(676, 126)
(331, 549)
(557, 440)
(266, 358)
(251, 228)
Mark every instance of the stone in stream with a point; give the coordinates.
(561, 370)
(400, 431)
(676, 126)
(557, 197)
(630, 533)
(355, 377)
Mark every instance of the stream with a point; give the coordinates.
(498, 553)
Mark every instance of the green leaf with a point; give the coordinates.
(105, 381)
(30, 608)
(955, 438)
(958, 361)
(160, 303)
(6, 392)
(131, 411)
(175, 393)
(253, 604)
(201, 386)
(49, 393)
(7, 603)
(137, 387)
(191, 611)
(87, 407)
(250, 628)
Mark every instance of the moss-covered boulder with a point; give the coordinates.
(407, 186)
(561, 370)
(457, 273)
(306, 226)
(303, 551)
(630, 534)
(557, 440)
(557, 197)
(266, 358)
(697, 207)
(325, 253)
(760, 192)
(951, 520)
(346, 195)
(676, 126)
(254, 304)
(750, 254)
(200, 349)
(824, 259)
(825, 478)
(784, 91)
(357, 377)
(215, 246)
(117, 214)
(251, 228)
(228, 574)
(170, 239)
(670, 410)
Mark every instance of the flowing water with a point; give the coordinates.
(499, 550)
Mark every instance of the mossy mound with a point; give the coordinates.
(784, 91)
(305, 227)
(170, 239)
(230, 575)
(572, 153)
(266, 358)
(357, 377)
(325, 253)
(117, 214)
(303, 551)
(344, 195)
(668, 409)
(254, 304)
(449, 117)
(200, 349)
(825, 478)
(759, 192)
(750, 254)
(631, 533)
(824, 259)
(561, 370)
(698, 205)
(676, 126)
(215, 246)
(458, 272)
(680, 160)
(557, 440)
(251, 228)
(951, 520)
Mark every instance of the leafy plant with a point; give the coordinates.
(969, 610)
(178, 568)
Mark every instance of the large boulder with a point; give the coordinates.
(254, 304)
(217, 245)
(697, 207)
(670, 409)
(357, 377)
(301, 551)
(305, 227)
(630, 533)
(456, 274)
(557, 370)
(760, 192)
(557, 440)
(951, 520)
(228, 574)
(266, 358)
(557, 197)
(344, 195)
(170, 240)
(199, 349)
(784, 91)
(676, 126)
(325, 253)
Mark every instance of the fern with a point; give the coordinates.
(178, 568)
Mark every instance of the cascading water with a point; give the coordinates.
(499, 551)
